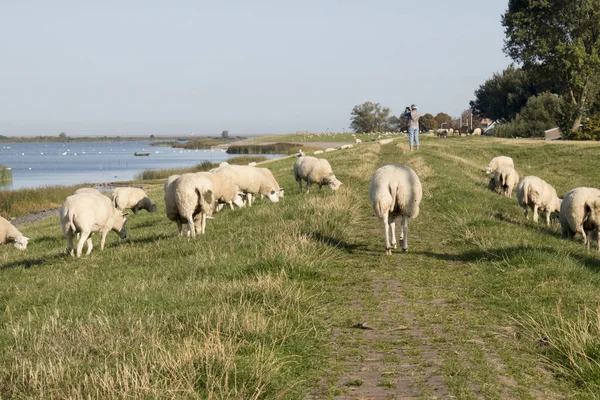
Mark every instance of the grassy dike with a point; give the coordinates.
(266, 305)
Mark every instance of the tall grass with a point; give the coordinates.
(152, 174)
(16, 203)
(277, 148)
(5, 174)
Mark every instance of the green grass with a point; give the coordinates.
(499, 306)
(5, 174)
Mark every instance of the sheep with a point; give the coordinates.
(504, 181)
(442, 133)
(330, 149)
(498, 161)
(87, 213)
(395, 191)
(314, 170)
(317, 152)
(133, 198)
(357, 141)
(346, 146)
(385, 141)
(225, 191)
(252, 164)
(194, 196)
(477, 131)
(9, 233)
(580, 213)
(536, 193)
(171, 205)
(251, 181)
(88, 190)
(269, 175)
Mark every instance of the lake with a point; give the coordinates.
(42, 164)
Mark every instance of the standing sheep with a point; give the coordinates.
(537, 194)
(224, 190)
(395, 191)
(497, 162)
(87, 213)
(194, 195)
(250, 181)
(88, 190)
(171, 206)
(504, 181)
(9, 233)
(580, 213)
(314, 170)
(133, 198)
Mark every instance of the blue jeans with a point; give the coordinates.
(413, 136)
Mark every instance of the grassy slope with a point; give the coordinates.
(247, 310)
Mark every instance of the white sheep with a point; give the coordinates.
(171, 206)
(330, 149)
(395, 191)
(346, 146)
(315, 170)
(9, 233)
(537, 194)
(251, 181)
(224, 190)
(504, 181)
(498, 161)
(133, 198)
(580, 213)
(269, 175)
(357, 141)
(194, 199)
(86, 213)
(88, 190)
(317, 152)
(477, 132)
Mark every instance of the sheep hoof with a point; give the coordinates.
(388, 252)
(405, 250)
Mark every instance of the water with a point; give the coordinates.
(41, 164)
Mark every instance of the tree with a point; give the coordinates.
(62, 135)
(504, 94)
(225, 135)
(427, 122)
(369, 117)
(561, 39)
(443, 120)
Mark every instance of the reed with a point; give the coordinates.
(5, 174)
(276, 148)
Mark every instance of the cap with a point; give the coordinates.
(414, 106)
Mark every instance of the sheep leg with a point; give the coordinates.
(191, 227)
(392, 224)
(180, 227)
(308, 187)
(230, 204)
(585, 238)
(300, 184)
(535, 213)
(103, 239)
(89, 246)
(548, 217)
(249, 197)
(405, 229)
(386, 234)
(69, 235)
(526, 211)
(82, 238)
(204, 223)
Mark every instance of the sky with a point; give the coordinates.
(250, 67)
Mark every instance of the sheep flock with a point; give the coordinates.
(395, 193)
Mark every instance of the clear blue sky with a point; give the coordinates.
(181, 66)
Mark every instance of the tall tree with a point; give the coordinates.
(369, 117)
(428, 122)
(504, 94)
(562, 39)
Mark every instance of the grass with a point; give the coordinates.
(16, 203)
(276, 148)
(5, 174)
(496, 306)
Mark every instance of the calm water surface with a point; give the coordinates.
(41, 164)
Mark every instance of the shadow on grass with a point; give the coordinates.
(32, 262)
(589, 260)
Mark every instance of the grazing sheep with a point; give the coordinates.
(87, 213)
(269, 175)
(580, 213)
(346, 146)
(395, 191)
(224, 190)
(537, 194)
(357, 141)
(194, 196)
(317, 152)
(504, 181)
(315, 170)
(133, 198)
(9, 233)
(477, 131)
(442, 132)
(498, 161)
(88, 190)
(330, 149)
(251, 181)
(171, 206)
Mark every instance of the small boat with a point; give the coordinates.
(141, 154)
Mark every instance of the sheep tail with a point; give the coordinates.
(526, 193)
(71, 223)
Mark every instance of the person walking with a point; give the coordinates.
(413, 126)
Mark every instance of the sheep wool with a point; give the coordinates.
(504, 181)
(497, 162)
(314, 170)
(10, 234)
(395, 191)
(536, 194)
(251, 181)
(194, 195)
(88, 190)
(133, 198)
(580, 213)
(86, 213)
